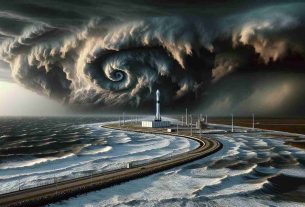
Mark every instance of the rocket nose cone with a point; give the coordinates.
(158, 92)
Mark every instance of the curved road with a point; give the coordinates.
(39, 196)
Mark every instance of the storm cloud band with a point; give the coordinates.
(109, 62)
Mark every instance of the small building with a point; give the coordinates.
(155, 124)
(171, 130)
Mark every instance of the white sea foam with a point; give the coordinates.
(248, 201)
(97, 150)
(224, 186)
(122, 140)
(125, 147)
(28, 163)
(191, 182)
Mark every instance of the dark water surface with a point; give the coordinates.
(33, 151)
(46, 136)
(252, 169)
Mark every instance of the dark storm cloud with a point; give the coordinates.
(116, 53)
(263, 93)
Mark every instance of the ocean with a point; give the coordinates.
(35, 151)
(252, 169)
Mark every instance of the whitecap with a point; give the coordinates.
(97, 150)
(28, 163)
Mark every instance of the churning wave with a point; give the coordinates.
(251, 170)
(67, 148)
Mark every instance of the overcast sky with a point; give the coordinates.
(18, 101)
(99, 56)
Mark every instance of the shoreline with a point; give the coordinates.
(43, 195)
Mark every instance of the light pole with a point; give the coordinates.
(191, 125)
(182, 121)
(186, 116)
(253, 122)
(232, 130)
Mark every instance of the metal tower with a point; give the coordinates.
(158, 115)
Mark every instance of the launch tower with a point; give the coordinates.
(157, 122)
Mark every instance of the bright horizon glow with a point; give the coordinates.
(18, 101)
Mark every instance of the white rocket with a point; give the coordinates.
(158, 115)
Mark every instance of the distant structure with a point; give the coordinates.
(158, 115)
(232, 126)
(186, 119)
(157, 123)
(201, 124)
(253, 122)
